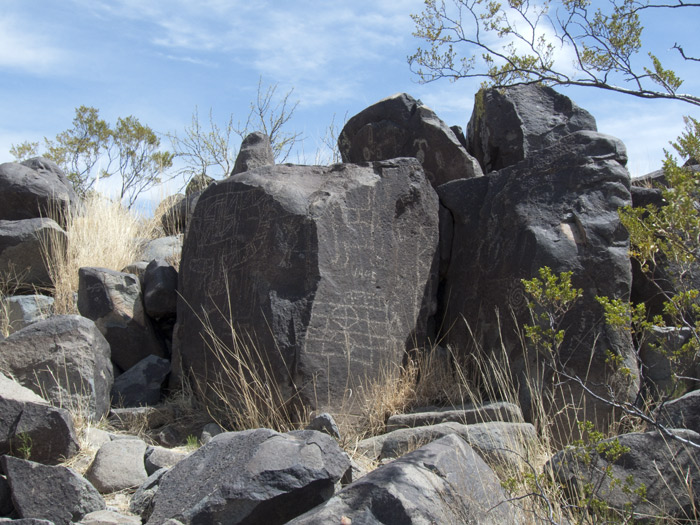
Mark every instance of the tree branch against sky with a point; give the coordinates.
(566, 42)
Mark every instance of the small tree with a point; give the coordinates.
(211, 152)
(516, 42)
(92, 149)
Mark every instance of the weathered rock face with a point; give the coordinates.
(28, 193)
(510, 124)
(64, 358)
(55, 493)
(50, 170)
(118, 465)
(442, 482)
(113, 300)
(23, 310)
(328, 270)
(22, 244)
(254, 476)
(141, 384)
(29, 425)
(160, 290)
(558, 209)
(683, 412)
(401, 126)
(667, 469)
(255, 152)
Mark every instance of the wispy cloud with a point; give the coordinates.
(25, 47)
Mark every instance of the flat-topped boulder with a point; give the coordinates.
(325, 273)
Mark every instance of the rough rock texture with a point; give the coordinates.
(442, 482)
(495, 411)
(23, 310)
(496, 442)
(198, 184)
(167, 248)
(558, 209)
(160, 289)
(658, 370)
(27, 193)
(683, 412)
(326, 424)
(255, 152)
(254, 476)
(157, 458)
(29, 423)
(49, 170)
(118, 465)
(113, 300)
(55, 493)
(21, 252)
(141, 384)
(141, 502)
(64, 358)
(666, 467)
(401, 126)
(329, 271)
(510, 124)
(176, 216)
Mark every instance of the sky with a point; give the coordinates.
(158, 60)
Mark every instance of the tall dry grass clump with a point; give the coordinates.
(103, 234)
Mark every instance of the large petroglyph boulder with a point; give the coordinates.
(401, 126)
(557, 208)
(326, 272)
(509, 124)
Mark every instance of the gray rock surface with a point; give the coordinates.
(23, 310)
(442, 482)
(141, 385)
(160, 289)
(53, 493)
(157, 458)
(510, 124)
(141, 502)
(166, 248)
(659, 344)
(29, 425)
(49, 170)
(666, 467)
(254, 476)
(401, 126)
(328, 273)
(22, 247)
(683, 412)
(255, 152)
(64, 358)
(113, 300)
(27, 193)
(558, 209)
(495, 411)
(496, 442)
(118, 465)
(324, 423)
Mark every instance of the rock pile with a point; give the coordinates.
(327, 276)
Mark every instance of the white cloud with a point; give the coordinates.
(24, 47)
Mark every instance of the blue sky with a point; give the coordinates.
(159, 59)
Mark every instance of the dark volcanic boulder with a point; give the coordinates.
(558, 209)
(113, 300)
(442, 482)
(27, 193)
(254, 476)
(29, 425)
(57, 494)
(510, 124)
(50, 170)
(160, 289)
(141, 384)
(401, 126)
(255, 152)
(665, 467)
(325, 272)
(64, 358)
(23, 244)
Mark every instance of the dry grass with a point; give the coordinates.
(105, 235)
